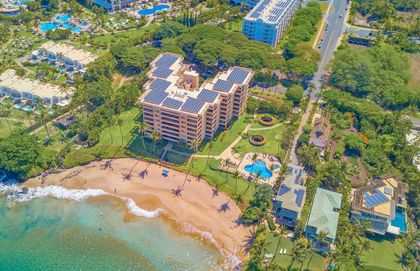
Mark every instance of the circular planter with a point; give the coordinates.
(257, 140)
(266, 120)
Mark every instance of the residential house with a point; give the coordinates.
(383, 204)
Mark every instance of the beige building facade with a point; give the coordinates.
(175, 105)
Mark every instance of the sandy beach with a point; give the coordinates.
(192, 205)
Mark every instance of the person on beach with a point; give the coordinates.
(115, 190)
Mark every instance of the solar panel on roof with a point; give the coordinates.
(160, 84)
(283, 190)
(375, 198)
(208, 95)
(192, 105)
(162, 72)
(299, 197)
(388, 190)
(172, 103)
(238, 76)
(155, 96)
(223, 85)
(166, 60)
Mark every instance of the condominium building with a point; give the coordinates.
(268, 20)
(18, 88)
(65, 57)
(113, 5)
(382, 203)
(175, 105)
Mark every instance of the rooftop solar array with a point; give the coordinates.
(238, 75)
(299, 197)
(162, 72)
(156, 96)
(223, 85)
(208, 95)
(374, 199)
(192, 105)
(172, 103)
(166, 60)
(388, 191)
(159, 84)
(271, 10)
(283, 190)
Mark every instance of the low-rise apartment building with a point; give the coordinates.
(382, 203)
(175, 105)
(268, 20)
(17, 87)
(65, 57)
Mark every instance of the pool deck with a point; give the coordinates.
(268, 159)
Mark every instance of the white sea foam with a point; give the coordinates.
(231, 262)
(15, 194)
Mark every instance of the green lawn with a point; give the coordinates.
(384, 254)
(223, 181)
(272, 146)
(224, 138)
(108, 39)
(317, 262)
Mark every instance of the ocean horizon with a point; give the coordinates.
(53, 228)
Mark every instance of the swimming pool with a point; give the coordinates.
(153, 10)
(399, 221)
(260, 168)
(64, 22)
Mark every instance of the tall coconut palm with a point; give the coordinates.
(5, 113)
(296, 255)
(210, 147)
(282, 230)
(42, 116)
(195, 144)
(143, 128)
(155, 136)
(119, 122)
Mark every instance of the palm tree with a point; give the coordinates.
(308, 249)
(119, 123)
(236, 176)
(43, 117)
(155, 136)
(296, 254)
(110, 124)
(143, 128)
(195, 144)
(282, 230)
(322, 238)
(210, 147)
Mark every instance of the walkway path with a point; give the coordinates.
(267, 128)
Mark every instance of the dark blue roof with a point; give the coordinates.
(155, 96)
(238, 75)
(299, 197)
(376, 198)
(223, 85)
(162, 72)
(284, 189)
(159, 84)
(172, 103)
(192, 105)
(208, 95)
(166, 60)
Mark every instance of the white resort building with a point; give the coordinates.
(176, 106)
(65, 57)
(17, 87)
(268, 20)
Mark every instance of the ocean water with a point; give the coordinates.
(80, 232)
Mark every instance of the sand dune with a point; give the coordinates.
(190, 204)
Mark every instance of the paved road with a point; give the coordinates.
(335, 28)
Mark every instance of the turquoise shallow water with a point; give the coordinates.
(53, 234)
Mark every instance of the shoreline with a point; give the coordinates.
(191, 206)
